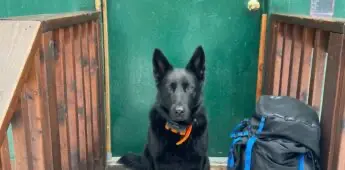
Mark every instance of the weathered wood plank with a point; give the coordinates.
(88, 96)
(48, 88)
(81, 95)
(5, 155)
(102, 94)
(305, 66)
(340, 116)
(296, 60)
(269, 59)
(285, 73)
(61, 96)
(22, 132)
(54, 21)
(318, 69)
(332, 102)
(34, 94)
(94, 74)
(71, 99)
(18, 41)
(278, 59)
(326, 24)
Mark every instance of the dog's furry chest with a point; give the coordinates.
(184, 151)
(163, 146)
(179, 158)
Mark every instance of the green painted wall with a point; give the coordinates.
(30, 7)
(302, 7)
(289, 6)
(229, 34)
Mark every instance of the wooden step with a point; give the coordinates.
(119, 167)
(217, 163)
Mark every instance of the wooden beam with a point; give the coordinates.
(261, 56)
(5, 155)
(333, 102)
(54, 21)
(327, 24)
(106, 70)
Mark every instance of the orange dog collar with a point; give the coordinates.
(185, 133)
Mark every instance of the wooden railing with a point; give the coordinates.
(306, 59)
(51, 92)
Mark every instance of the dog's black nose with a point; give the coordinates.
(179, 110)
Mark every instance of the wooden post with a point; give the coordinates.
(261, 56)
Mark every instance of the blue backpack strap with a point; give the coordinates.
(239, 134)
(301, 162)
(261, 125)
(231, 159)
(248, 152)
(250, 145)
(236, 135)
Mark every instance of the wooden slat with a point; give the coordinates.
(278, 59)
(61, 96)
(81, 103)
(286, 60)
(332, 101)
(341, 163)
(88, 96)
(34, 97)
(340, 109)
(305, 67)
(341, 157)
(5, 155)
(50, 119)
(269, 60)
(326, 24)
(94, 70)
(22, 132)
(71, 99)
(318, 69)
(17, 43)
(101, 88)
(296, 59)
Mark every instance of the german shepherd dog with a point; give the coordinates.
(179, 101)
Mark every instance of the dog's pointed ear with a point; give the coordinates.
(196, 64)
(161, 65)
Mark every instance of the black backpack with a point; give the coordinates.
(283, 134)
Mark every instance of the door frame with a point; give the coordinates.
(101, 5)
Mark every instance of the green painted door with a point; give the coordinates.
(229, 34)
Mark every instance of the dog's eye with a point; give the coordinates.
(187, 87)
(173, 86)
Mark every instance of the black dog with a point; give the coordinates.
(180, 102)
